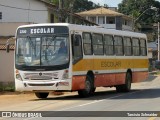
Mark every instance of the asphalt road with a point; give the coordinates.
(144, 96)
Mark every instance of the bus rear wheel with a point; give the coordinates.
(89, 88)
(41, 94)
(127, 86)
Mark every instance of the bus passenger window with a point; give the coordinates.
(136, 47)
(127, 46)
(87, 43)
(76, 48)
(98, 44)
(143, 47)
(118, 42)
(108, 45)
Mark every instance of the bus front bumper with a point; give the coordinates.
(58, 85)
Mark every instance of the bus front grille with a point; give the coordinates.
(39, 78)
(48, 84)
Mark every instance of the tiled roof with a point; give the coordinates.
(101, 11)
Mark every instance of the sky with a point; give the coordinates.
(110, 3)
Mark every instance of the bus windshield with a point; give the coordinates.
(42, 51)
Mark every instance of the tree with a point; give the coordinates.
(143, 16)
(135, 8)
(76, 5)
(56, 2)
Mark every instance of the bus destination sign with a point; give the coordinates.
(42, 30)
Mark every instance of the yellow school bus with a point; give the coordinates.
(91, 57)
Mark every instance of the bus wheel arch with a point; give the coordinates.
(128, 80)
(89, 85)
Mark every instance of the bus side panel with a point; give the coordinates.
(80, 70)
(139, 76)
(104, 80)
(120, 78)
(109, 79)
(78, 82)
(140, 72)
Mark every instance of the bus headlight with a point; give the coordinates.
(65, 75)
(18, 76)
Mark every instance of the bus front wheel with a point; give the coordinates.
(127, 86)
(41, 94)
(89, 88)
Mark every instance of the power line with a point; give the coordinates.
(20, 8)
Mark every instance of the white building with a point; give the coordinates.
(108, 18)
(19, 12)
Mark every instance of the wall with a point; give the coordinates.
(127, 28)
(23, 15)
(109, 26)
(9, 29)
(6, 66)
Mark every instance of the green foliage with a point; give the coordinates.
(76, 5)
(135, 8)
(54, 2)
(143, 16)
(82, 5)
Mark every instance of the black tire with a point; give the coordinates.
(119, 88)
(127, 86)
(88, 88)
(41, 94)
(93, 89)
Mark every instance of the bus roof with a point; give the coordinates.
(93, 29)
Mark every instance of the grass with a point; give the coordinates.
(158, 73)
(8, 86)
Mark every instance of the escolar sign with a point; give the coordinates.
(43, 30)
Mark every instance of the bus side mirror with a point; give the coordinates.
(7, 48)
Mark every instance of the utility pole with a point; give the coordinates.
(158, 42)
(61, 5)
(59, 13)
(71, 10)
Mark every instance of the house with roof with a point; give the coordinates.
(107, 18)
